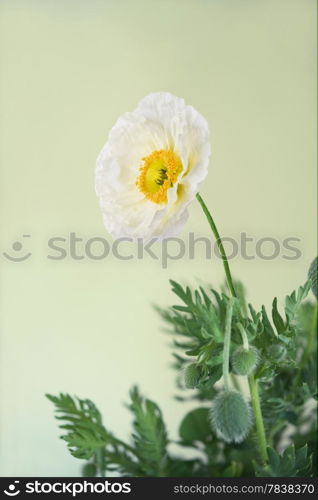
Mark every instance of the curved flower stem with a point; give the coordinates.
(243, 335)
(261, 436)
(227, 343)
(219, 244)
(262, 444)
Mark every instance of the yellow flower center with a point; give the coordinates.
(158, 173)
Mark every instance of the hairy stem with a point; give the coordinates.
(219, 244)
(244, 336)
(261, 437)
(227, 343)
(253, 386)
(262, 444)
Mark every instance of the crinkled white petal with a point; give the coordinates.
(161, 121)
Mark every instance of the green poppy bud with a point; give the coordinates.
(312, 275)
(192, 375)
(230, 417)
(244, 361)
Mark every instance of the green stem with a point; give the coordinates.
(100, 462)
(244, 336)
(219, 244)
(253, 386)
(252, 382)
(262, 444)
(227, 343)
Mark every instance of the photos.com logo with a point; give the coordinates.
(71, 488)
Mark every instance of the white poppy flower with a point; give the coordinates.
(151, 168)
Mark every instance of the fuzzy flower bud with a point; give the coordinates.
(230, 417)
(192, 375)
(244, 361)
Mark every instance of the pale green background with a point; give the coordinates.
(68, 70)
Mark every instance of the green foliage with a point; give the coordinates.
(89, 470)
(284, 342)
(290, 464)
(312, 276)
(83, 423)
(150, 436)
(196, 427)
(197, 326)
(87, 438)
